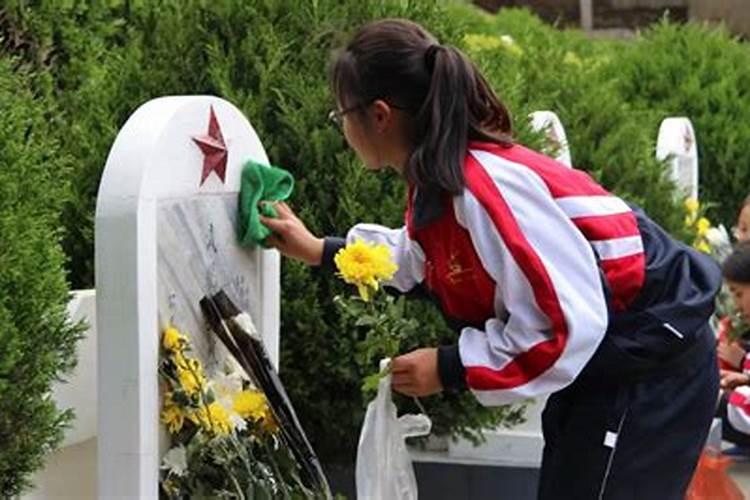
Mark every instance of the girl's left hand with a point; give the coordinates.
(416, 373)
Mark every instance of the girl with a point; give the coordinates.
(732, 354)
(735, 404)
(556, 286)
(742, 230)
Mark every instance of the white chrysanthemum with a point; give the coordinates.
(175, 461)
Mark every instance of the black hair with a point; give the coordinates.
(449, 100)
(736, 267)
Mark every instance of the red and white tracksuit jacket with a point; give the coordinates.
(532, 258)
(738, 407)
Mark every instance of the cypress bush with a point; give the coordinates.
(563, 71)
(702, 73)
(37, 342)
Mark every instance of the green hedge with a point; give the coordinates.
(37, 343)
(702, 73)
(567, 73)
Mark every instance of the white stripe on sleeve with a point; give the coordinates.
(738, 414)
(616, 248)
(587, 206)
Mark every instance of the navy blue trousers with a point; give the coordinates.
(635, 440)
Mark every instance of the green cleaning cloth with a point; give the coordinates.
(260, 183)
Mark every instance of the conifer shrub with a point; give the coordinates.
(37, 342)
(702, 73)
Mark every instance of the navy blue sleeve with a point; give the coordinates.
(331, 246)
(450, 368)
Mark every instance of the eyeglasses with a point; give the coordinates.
(336, 116)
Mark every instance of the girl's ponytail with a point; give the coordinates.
(442, 124)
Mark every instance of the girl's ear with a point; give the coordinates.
(381, 114)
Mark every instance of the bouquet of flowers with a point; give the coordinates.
(224, 438)
(236, 331)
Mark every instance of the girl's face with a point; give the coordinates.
(741, 295)
(357, 129)
(742, 231)
(377, 134)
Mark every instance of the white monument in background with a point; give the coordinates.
(677, 145)
(554, 133)
(165, 237)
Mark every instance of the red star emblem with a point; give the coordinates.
(214, 149)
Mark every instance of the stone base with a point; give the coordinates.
(449, 480)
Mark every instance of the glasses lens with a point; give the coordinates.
(333, 117)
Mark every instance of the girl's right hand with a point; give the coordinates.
(291, 237)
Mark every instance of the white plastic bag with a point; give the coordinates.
(384, 469)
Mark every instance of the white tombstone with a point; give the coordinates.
(165, 237)
(557, 141)
(677, 145)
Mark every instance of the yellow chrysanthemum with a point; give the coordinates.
(703, 246)
(195, 366)
(249, 404)
(213, 418)
(172, 415)
(365, 265)
(692, 206)
(179, 360)
(191, 376)
(173, 340)
(702, 226)
(253, 405)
